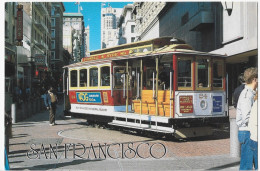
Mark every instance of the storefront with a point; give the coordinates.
(10, 70)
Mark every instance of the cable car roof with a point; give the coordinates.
(167, 49)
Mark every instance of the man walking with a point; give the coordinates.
(244, 105)
(50, 102)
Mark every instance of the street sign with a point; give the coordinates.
(39, 59)
(19, 25)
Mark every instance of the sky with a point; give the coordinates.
(92, 18)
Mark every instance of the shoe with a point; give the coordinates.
(50, 124)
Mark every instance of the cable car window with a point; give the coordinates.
(119, 77)
(149, 77)
(145, 49)
(105, 76)
(184, 73)
(93, 75)
(164, 76)
(203, 72)
(218, 74)
(73, 78)
(83, 77)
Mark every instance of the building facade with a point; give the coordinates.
(86, 36)
(73, 26)
(146, 15)
(109, 19)
(40, 44)
(10, 53)
(126, 26)
(24, 58)
(57, 62)
(228, 28)
(67, 38)
(239, 39)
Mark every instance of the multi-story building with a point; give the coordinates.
(73, 25)
(126, 26)
(10, 53)
(86, 36)
(109, 19)
(228, 28)
(146, 15)
(239, 34)
(24, 57)
(34, 55)
(67, 38)
(57, 62)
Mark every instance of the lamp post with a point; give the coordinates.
(228, 6)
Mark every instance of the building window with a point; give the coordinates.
(184, 18)
(53, 22)
(132, 39)
(132, 28)
(14, 7)
(53, 44)
(52, 33)
(13, 34)
(52, 10)
(52, 55)
(6, 30)
(6, 6)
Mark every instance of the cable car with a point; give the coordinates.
(159, 85)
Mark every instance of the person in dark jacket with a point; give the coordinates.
(50, 101)
(239, 89)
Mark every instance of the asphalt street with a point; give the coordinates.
(73, 145)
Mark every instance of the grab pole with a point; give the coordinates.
(124, 85)
(153, 84)
(170, 94)
(111, 83)
(138, 93)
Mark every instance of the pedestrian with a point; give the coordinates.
(252, 125)
(244, 106)
(28, 91)
(239, 89)
(8, 130)
(50, 101)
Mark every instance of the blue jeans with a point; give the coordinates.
(246, 162)
(253, 145)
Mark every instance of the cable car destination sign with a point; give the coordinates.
(105, 56)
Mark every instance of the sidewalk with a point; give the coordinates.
(36, 130)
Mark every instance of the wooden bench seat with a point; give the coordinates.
(149, 106)
(166, 103)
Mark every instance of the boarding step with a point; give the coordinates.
(145, 127)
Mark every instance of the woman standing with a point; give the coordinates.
(253, 132)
